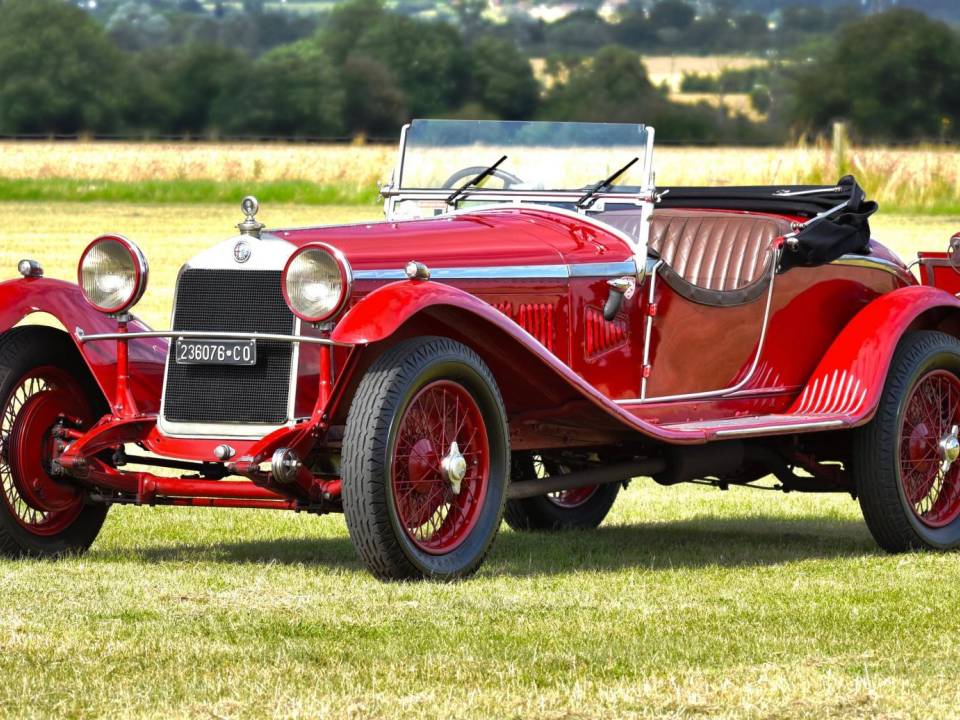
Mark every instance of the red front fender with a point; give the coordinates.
(65, 302)
(850, 378)
(384, 312)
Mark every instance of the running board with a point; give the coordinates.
(758, 425)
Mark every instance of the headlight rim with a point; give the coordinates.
(141, 273)
(346, 280)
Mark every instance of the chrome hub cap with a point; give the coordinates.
(949, 448)
(454, 464)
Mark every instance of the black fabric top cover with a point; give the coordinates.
(822, 241)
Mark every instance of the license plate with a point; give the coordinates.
(216, 352)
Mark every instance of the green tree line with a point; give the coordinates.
(365, 70)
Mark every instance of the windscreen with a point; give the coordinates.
(540, 156)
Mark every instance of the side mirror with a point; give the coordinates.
(953, 253)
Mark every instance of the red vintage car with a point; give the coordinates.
(534, 324)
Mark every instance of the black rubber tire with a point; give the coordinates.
(22, 349)
(888, 515)
(540, 514)
(382, 396)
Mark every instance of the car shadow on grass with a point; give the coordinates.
(693, 543)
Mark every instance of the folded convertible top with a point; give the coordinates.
(823, 240)
(801, 200)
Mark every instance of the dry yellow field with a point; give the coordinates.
(56, 234)
(734, 102)
(362, 165)
(670, 69)
(920, 178)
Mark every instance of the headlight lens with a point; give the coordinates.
(112, 274)
(316, 282)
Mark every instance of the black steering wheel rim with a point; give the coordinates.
(509, 179)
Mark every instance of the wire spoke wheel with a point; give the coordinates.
(440, 466)
(40, 505)
(569, 499)
(426, 462)
(581, 508)
(566, 499)
(929, 475)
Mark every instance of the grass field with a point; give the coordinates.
(687, 603)
(905, 180)
(56, 234)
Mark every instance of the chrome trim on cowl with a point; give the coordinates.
(874, 263)
(505, 272)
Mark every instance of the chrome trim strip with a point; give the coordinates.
(217, 431)
(866, 261)
(612, 269)
(747, 378)
(786, 427)
(211, 335)
(516, 271)
(398, 274)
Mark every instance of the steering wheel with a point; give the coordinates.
(509, 179)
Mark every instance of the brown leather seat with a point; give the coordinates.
(714, 250)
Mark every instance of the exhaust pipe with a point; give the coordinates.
(585, 478)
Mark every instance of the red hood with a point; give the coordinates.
(501, 237)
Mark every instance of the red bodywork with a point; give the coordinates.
(665, 371)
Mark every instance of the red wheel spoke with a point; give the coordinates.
(26, 447)
(435, 518)
(931, 412)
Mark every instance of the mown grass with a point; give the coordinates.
(686, 603)
(182, 191)
(937, 198)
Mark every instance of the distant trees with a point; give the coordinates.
(614, 87)
(365, 70)
(291, 91)
(892, 76)
(502, 79)
(59, 72)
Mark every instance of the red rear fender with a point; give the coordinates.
(850, 378)
(65, 302)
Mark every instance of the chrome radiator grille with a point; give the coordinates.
(232, 301)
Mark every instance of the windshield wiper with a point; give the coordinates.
(476, 180)
(589, 197)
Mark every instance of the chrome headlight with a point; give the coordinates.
(112, 274)
(317, 282)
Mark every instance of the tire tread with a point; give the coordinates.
(876, 475)
(15, 345)
(368, 428)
